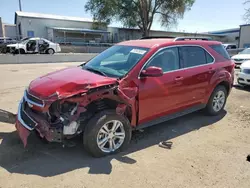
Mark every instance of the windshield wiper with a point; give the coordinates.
(94, 70)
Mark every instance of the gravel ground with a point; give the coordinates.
(206, 151)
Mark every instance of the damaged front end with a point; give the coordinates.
(63, 116)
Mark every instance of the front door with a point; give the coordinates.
(159, 96)
(32, 46)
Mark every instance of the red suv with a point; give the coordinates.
(132, 85)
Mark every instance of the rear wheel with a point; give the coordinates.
(106, 133)
(217, 100)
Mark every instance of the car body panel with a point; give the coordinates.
(142, 100)
(64, 83)
(244, 74)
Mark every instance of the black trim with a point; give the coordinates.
(157, 37)
(193, 38)
(26, 118)
(171, 116)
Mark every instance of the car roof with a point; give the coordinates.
(34, 38)
(154, 43)
(228, 44)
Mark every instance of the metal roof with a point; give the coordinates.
(51, 16)
(79, 29)
(234, 30)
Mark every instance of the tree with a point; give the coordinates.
(138, 13)
(247, 14)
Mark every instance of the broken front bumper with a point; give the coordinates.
(30, 120)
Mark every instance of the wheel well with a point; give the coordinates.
(226, 85)
(104, 104)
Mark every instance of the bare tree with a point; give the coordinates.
(247, 13)
(138, 13)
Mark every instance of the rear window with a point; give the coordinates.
(220, 50)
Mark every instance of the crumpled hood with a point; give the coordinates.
(241, 56)
(67, 82)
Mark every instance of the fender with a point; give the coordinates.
(220, 76)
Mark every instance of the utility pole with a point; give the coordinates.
(20, 5)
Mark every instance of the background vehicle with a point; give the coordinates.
(230, 46)
(34, 45)
(242, 57)
(132, 85)
(244, 74)
(4, 41)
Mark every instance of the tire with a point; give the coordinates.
(210, 108)
(50, 51)
(93, 132)
(19, 51)
(22, 51)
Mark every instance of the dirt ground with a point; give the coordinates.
(206, 152)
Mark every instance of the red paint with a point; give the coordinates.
(67, 82)
(152, 72)
(23, 132)
(146, 98)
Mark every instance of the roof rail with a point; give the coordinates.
(157, 37)
(192, 38)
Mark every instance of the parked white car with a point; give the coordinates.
(34, 45)
(241, 57)
(244, 74)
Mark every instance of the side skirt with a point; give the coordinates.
(171, 116)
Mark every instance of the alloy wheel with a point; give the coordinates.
(219, 101)
(111, 136)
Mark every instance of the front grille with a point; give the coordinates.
(248, 80)
(246, 71)
(23, 116)
(34, 100)
(28, 120)
(241, 79)
(239, 59)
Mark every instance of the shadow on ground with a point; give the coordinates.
(51, 159)
(7, 117)
(242, 87)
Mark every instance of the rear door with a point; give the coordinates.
(198, 65)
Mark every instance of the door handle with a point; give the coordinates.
(179, 78)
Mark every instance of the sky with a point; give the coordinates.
(205, 15)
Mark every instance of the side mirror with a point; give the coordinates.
(152, 72)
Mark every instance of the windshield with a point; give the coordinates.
(116, 61)
(246, 51)
(24, 41)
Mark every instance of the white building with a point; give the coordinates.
(244, 36)
(9, 30)
(57, 28)
(1, 28)
(233, 35)
(78, 31)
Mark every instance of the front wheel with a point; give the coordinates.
(50, 51)
(217, 101)
(106, 133)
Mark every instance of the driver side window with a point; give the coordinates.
(167, 59)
